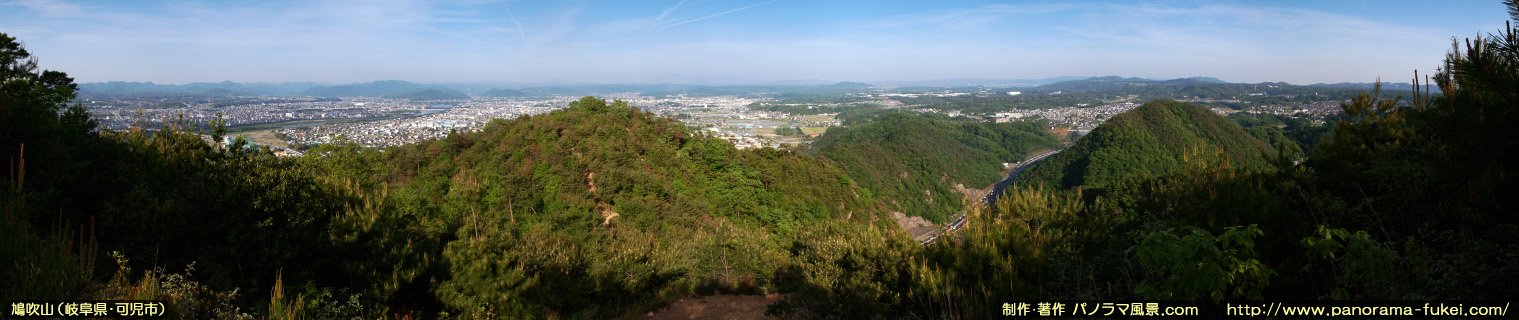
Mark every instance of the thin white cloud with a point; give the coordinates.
(50, 8)
(673, 24)
(520, 30)
(971, 17)
(1247, 43)
(196, 41)
(667, 11)
(1225, 29)
(342, 41)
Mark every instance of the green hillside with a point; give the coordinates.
(610, 204)
(1299, 136)
(912, 162)
(1154, 139)
(598, 210)
(594, 160)
(601, 210)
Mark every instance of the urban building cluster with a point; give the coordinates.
(726, 117)
(122, 114)
(1083, 118)
(1079, 118)
(432, 123)
(379, 122)
(1314, 111)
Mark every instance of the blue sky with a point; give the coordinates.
(718, 42)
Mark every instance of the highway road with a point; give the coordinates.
(991, 198)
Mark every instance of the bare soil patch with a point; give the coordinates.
(738, 307)
(917, 227)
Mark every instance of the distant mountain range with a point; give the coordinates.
(367, 89)
(398, 88)
(968, 82)
(1026, 83)
(386, 88)
(118, 88)
(434, 94)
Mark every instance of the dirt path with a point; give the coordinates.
(718, 307)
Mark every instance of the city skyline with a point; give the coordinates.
(707, 42)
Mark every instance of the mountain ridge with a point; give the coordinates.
(389, 87)
(1154, 139)
(914, 162)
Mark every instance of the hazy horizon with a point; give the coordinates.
(948, 82)
(704, 42)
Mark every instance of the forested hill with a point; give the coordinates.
(912, 162)
(604, 211)
(595, 161)
(1154, 139)
(615, 207)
